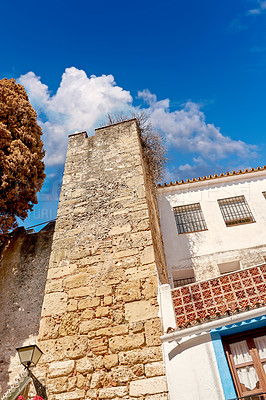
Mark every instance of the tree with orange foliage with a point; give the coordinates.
(21, 154)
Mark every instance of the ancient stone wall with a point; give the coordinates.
(24, 260)
(100, 330)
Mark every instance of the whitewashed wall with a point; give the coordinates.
(219, 244)
(191, 369)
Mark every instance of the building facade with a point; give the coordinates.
(149, 293)
(214, 238)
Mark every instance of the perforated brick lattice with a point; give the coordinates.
(225, 295)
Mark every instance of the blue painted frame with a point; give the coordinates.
(217, 335)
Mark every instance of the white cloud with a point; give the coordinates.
(187, 130)
(77, 105)
(81, 101)
(261, 7)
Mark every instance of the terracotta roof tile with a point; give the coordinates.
(215, 176)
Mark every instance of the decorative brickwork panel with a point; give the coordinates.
(224, 295)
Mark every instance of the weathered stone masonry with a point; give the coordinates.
(24, 260)
(100, 330)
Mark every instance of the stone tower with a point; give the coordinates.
(100, 330)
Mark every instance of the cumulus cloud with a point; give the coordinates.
(77, 105)
(81, 102)
(187, 130)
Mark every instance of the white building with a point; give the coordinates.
(214, 234)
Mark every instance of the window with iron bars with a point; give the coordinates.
(183, 282)
(235, 211)
(189, 218)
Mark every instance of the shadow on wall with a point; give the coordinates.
(24, 260)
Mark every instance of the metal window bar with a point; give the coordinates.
(183, 282)
(189, 218)
(260, 396)
(235, 211)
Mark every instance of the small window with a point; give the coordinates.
(183, 277)
(235, 211)
(189, 218)
(227, 267)
(264, 194)
(246, 356)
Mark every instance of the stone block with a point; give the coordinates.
(88, 314)
(110, 393)
(71, 383)
(94, 324)
(128, 342)
(74, 346)
(61, 368)
(69, 324)
(113, 330)
(72, 305)
(121, 375)
(53, 285)
(52, 351)
(97, 379)
(104, 291)
(98, 346)
(108, 300)
(81, 381)
(118, 316)
(110, 360)
(153, 331)
(89, 303)
(54, 304)
(61, 271)
(125, 253)
(48, 329)
(150, 287)
(72, 395)
(140, 310)
(128, 291)
(57, 385)
(84, 365)
(159, 396)
(80, 292)
(143, 387)
(76, 281)
(147, 256)
(138, 369)
(154, 369)
(141, 356)
(137, 326)
(119, 230)
(102, 312)
(98, 362)
(91, 394)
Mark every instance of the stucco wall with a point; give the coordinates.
(219, 244)
(191, 369)
(24, 260)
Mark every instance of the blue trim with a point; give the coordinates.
(224, 371)
(216, 335)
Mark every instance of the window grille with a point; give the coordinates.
(183, 282)
(189, 218)
(235, 211)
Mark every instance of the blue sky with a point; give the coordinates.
(198, 68)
